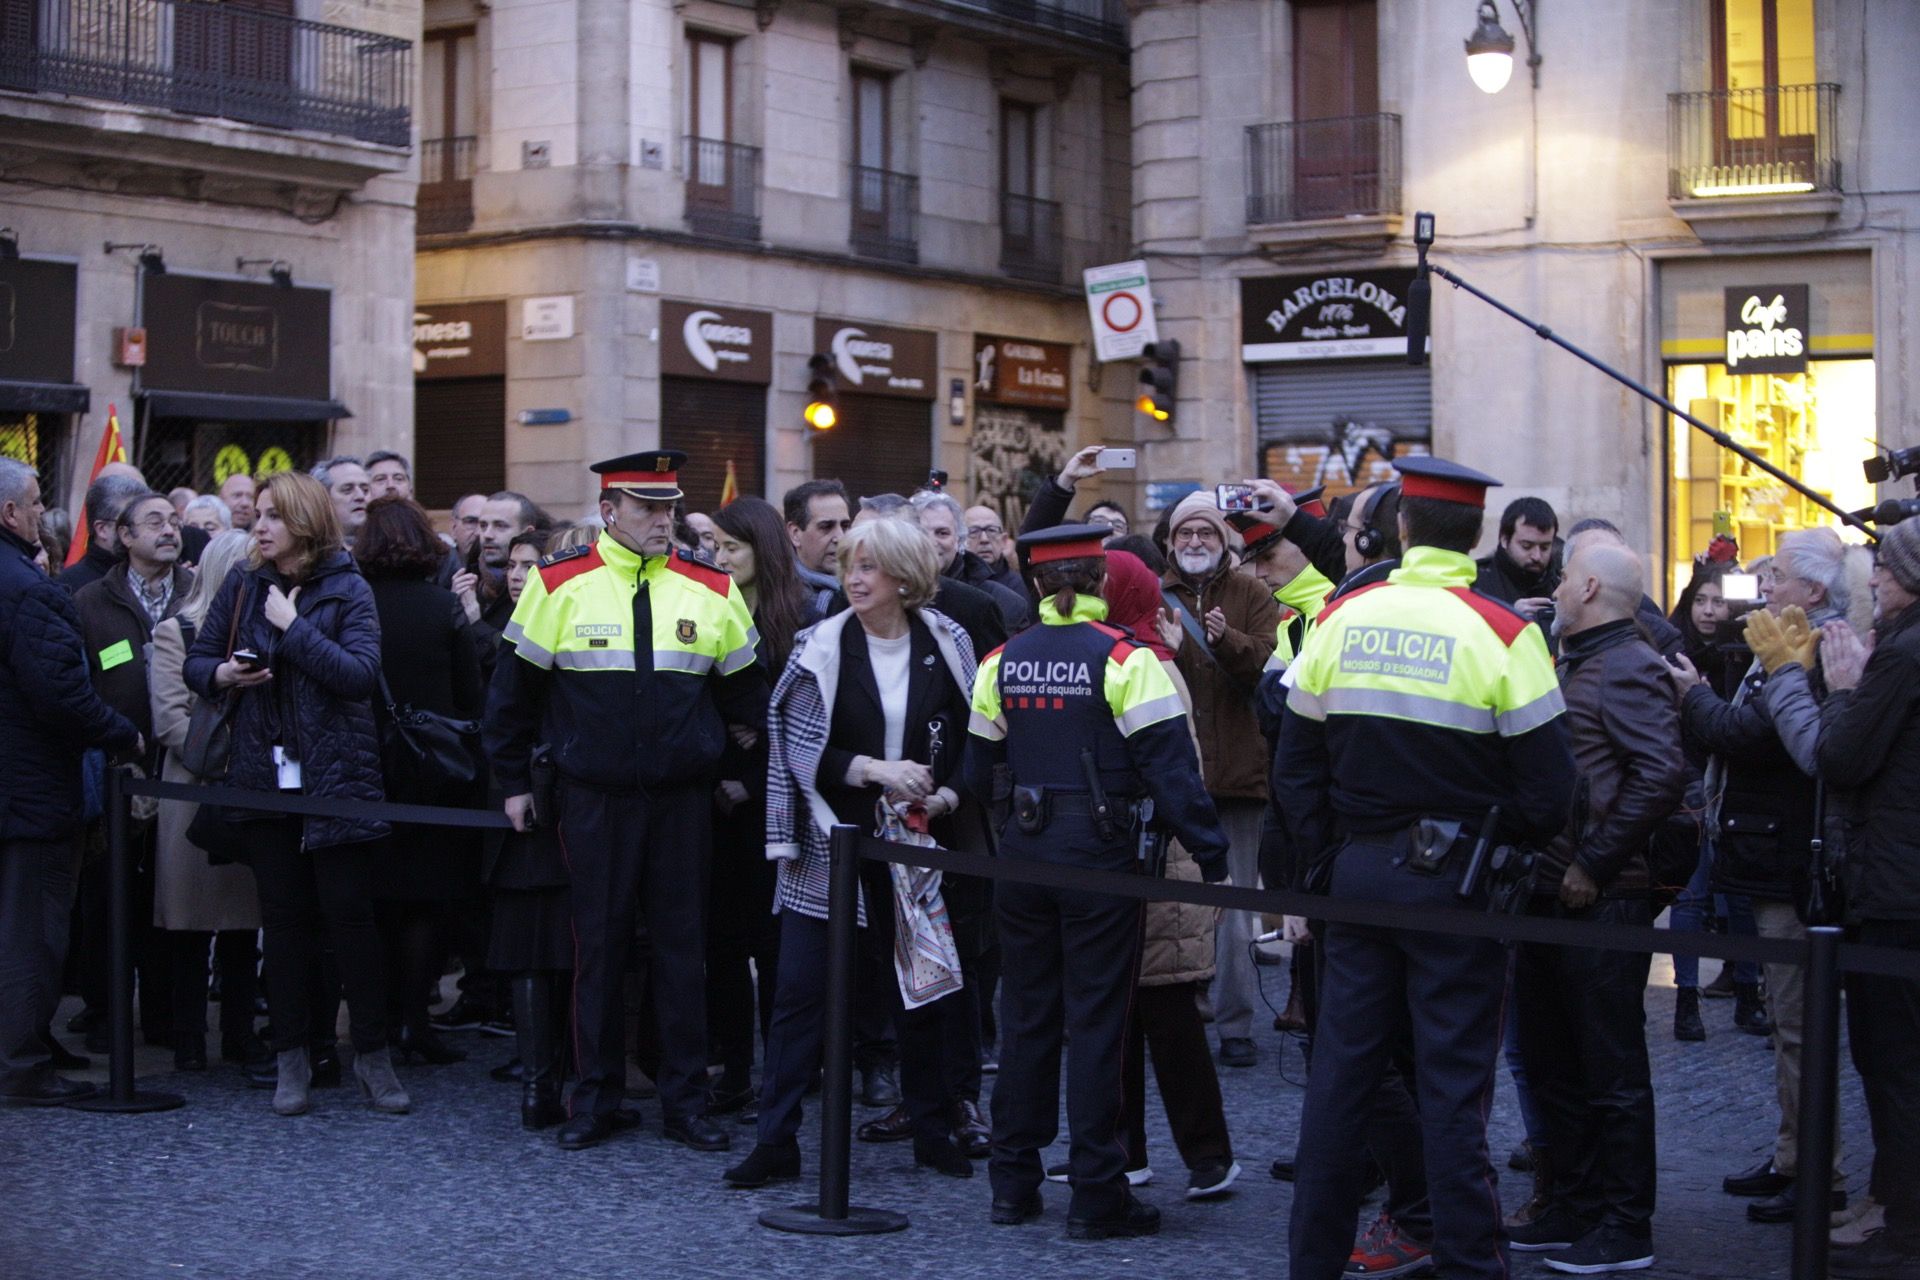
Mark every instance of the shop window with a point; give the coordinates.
(201, 455)
(1816, 426)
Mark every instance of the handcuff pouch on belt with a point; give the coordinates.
(1509, 880)
(545, 776)
(1031, 812)
(1430, 843)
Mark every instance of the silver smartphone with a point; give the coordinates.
(1115, 459)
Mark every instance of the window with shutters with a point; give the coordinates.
(1337, 134)
(448, 130)
(723, 174)
(722, 428)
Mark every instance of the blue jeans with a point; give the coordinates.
(1690, 911)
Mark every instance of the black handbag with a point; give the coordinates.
(207, 751)
(1825, 899)
(223, 842)
(425, 753)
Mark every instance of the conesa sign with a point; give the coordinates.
(1767, 328)
(727, 343)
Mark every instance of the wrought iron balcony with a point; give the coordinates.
(445, 202)
(886, 214)
(723, 188)
(1305, 170)
(211, 59)
(1029, 238)
(1077, 29)
(1776, 141)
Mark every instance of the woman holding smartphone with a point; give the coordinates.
(296, 638)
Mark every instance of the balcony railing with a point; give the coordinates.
(445, 202)
(212, 60)
(1774, 141)
(1302, 170)
(1101, 20)
(723, 188)
(1029, 237)
(886, 214)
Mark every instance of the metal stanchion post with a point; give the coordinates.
(832, 1215)
(120, 1096)
(1819, 1101)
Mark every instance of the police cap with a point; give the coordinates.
(652, 476)
(1065, 542)
(1427, 477)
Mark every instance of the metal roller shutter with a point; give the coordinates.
(459, 439)
(1296, 407)
(1300, 402)
(882, 445)
(715, 423)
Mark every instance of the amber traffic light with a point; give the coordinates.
(1159, 380)
(823, 404)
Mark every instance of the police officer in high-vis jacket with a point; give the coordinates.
(1416, 707)
(635, 660)
(1096, 739)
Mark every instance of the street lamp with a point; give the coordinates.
(1490, 47)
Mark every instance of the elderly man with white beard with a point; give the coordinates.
(1228, 622)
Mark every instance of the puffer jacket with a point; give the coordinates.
(1223, 706)
(1869, 753)
(1179, 935)
(49, 712)
(319, 704)
(1624, 724)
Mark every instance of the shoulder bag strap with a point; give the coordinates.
(1196, 632)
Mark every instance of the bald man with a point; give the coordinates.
(987, 538)
(1579, 1011)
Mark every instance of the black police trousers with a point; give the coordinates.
(1583, 1036)
(1068, 964)
(633, 854)
(1452, 992)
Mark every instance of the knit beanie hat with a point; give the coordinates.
(1900, 554)
(1201, 505)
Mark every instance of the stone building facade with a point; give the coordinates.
(255, 166)
(641, 221)
(1668, 167)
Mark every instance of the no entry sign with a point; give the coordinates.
(1120, 303)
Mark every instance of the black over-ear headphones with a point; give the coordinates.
(1369, 541)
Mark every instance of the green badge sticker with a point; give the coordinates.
(115, 654)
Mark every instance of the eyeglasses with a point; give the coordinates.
(153, 524)
(1196, 533)
(984, 531)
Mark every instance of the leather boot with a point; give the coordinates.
(533, 1032)
(293, 1073)
(1541, 1200)
(1750, 1010)
(1686, 1015)
(382, 1088)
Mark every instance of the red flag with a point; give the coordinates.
(111, 449)
(730, 487)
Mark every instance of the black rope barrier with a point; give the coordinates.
(1823, 954)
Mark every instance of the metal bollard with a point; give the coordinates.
(120, 1095)
(831, 1215)
(1819, 1102)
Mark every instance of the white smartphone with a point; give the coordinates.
(1740, 587)
(1114, 459)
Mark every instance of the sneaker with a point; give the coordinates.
(464, 1015)
(1210, 1180)
(1238, 1051)
(1385, 1250)
(1602, 1250)
(1554, 1229)
(1063, 1172)
(497, 1025)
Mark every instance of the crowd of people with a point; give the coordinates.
(674, 708)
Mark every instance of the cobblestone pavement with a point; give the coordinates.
(222, 1188)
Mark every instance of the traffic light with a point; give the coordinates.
(823, 402)
(1159, 379)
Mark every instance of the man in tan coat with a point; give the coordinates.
(1228, 623)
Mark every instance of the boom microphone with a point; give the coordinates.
(1420, 293)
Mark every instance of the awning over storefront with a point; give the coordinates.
(43, 397)
(233, 408)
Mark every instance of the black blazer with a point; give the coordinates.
(859, 725)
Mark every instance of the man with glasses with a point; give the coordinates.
(987, 538)
(118, 613)
(1229, 623)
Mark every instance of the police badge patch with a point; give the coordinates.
(686, 632)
